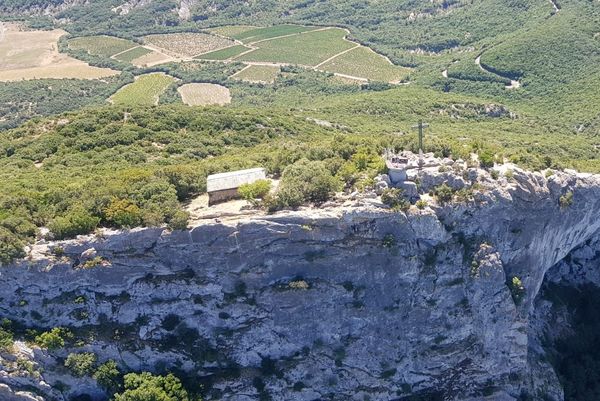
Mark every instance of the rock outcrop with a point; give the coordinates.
(348, 302)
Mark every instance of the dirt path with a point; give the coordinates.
(513, 84)
(337, 55)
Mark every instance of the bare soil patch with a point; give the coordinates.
(34, 54)
(188, 44)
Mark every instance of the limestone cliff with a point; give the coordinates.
(346, 302)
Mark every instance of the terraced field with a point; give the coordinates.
(187, 44)
(363, 62)
(307, 49)
(146, 90)
(104, 46)
(258, 73)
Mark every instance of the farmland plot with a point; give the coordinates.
(258, 73)
(224, 54)
(231, 30)
(130, 55)
(364, 63)
(258, 34)
(34, 55)
(146, 90)
(308, 49)
(188, 44)
(204, 94)
(105, 46)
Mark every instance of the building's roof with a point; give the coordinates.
(233, 179)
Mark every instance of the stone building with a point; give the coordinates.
(224, 186)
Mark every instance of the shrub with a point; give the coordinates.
(6, 340)
(123, 213)
(77, 221)
(306, 181)
(108, 376)
(486, 158)
(81, 364)
(443, 193)
(495, 174)
(256, 190)
(179, 220)
(94, 262)
(11, 247)
(566, 200)
(53, 339)
(188, 181)
(147, 387)
(517, 289)
(394, 198)
(421, 204)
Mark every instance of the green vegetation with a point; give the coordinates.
(108, 376)
(566, 200)
(54, 338)
(133, 54)
(309, 48)
(517, 289)
(6, 340)
(145, 387)
(394, 198)
(256, 190)
(224, 54)
(305, 181)
(104, 46)
(81, 364)
(363, 62)
(146, 90)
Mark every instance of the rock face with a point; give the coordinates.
(341, 303)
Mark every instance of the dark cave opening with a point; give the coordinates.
(575, 353)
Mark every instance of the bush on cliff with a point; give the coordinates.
(148, 387)
(256, 190)
(11, 247)
(77, 221)
(108, 376)
(394, 198)
(306, 181)
(81, 364)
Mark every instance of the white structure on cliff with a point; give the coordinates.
(224, 186)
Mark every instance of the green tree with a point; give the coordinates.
(54, 338)
(6, 340)
(148, 387)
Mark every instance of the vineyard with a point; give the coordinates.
(146, 90)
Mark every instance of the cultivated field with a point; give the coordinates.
(231, 30)
(34, 55)
(258, 73)
(308, 49)
(133, 54)
(204, 94)
(146, 90)
(363, 62)
(258, 34)
(224, 54)
(187, 44)
(104, 46)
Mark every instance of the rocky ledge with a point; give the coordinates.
(351, 301)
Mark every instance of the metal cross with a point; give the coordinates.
(420, 126)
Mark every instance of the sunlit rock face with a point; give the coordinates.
(347, 302)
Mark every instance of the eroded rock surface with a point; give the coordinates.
(340, 303)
